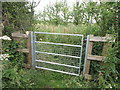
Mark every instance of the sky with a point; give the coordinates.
(44, 3)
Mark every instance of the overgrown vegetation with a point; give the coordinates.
(94, 18)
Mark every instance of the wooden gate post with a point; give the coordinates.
(105, 49)
(89, 55)
(29, 50)
(105, 46)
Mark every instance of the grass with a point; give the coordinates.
(49, 79)
(70, 28)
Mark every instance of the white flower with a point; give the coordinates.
(4, 56)
(5, 38)
(110, 85)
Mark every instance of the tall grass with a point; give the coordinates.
(70, 28)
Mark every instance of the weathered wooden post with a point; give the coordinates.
(29, 50)
(89, 55)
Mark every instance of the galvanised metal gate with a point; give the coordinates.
(57, 52)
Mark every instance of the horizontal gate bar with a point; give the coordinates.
(59, 34)
(57, 64)
(58, 44)
(57, 71)
(57, 54)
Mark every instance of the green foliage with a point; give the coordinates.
(57, 13)
(16, 17)
(83, 13)
(13, 74)
(109, 73)
(12, 77)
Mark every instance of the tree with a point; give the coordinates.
(56, 14)
(16, 16)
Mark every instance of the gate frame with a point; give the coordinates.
(33, 47)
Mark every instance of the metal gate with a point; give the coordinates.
(57, 52)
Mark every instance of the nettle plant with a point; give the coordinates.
(13, 73)
(4, 56)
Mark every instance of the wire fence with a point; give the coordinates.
(58, 52)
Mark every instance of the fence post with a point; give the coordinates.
(105, 46)
(88, 52)
(104, 50)
(29, 49)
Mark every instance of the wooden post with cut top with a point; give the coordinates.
(30, 50)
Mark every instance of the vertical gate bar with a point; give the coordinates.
(32, 48)
(33, 51)
(80, 55)
(86, 54)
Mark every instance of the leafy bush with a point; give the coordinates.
(13, 74)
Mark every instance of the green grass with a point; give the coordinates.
(49, 79)
(70, 28)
